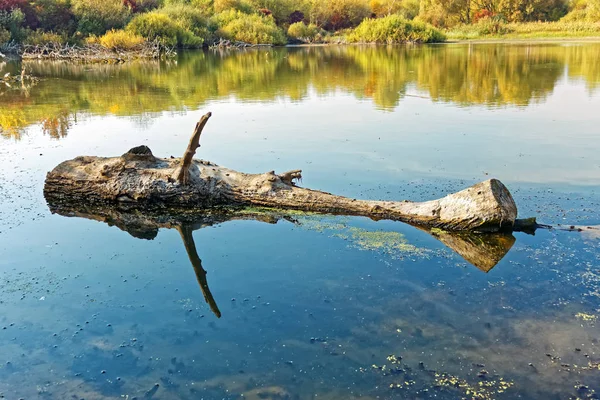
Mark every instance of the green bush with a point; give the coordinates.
(55, 16)
(491, 26)
(239, 5)
(39, 37)
(301, 31)
(13, 22)
(158, 26)
(96, 17)
(121, 40)
(280, 9)
(4, 36)
(251, 28)
(584, 10)
(394, 29)
(188, 17)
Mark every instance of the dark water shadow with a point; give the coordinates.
(484, 251)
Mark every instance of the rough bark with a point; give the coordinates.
(138, 178)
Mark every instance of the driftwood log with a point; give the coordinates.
(139, 179)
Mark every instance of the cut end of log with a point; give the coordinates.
(486, 207)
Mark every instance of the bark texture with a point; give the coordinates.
(140, 179)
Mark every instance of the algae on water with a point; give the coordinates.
(388, 242)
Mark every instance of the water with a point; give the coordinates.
(310, 307)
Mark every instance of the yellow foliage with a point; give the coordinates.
(120, 40)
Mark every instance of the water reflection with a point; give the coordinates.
(484, 251)
(466, 75)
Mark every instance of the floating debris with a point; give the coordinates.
(586, 317)
(482, 390)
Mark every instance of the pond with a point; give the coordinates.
(299, 306)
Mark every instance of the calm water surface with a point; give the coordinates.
(310, 307)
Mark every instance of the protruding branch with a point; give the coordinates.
(183, 172)
(290, 176)
(185, 230)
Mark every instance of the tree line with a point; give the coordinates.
(193, 23)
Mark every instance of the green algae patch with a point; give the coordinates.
(388, 242)
(391, 243)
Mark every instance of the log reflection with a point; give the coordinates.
(185, 231)
(484, 251)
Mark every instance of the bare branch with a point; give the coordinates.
(183, 172)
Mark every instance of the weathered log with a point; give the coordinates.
(138, 178)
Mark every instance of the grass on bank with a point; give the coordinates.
(490, 29)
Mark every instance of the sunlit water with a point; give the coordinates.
(311, 307)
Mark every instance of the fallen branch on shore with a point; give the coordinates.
(228, 44)
(92, 53)
(141, 179)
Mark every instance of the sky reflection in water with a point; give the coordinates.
(316, 306)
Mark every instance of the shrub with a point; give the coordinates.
(38, 37)
(584, 10)
(158, 26)
(406, 8)
(55, 16)
(239, 5)
(301, 31)
(491, 26)
(225, 17)
(4, 36)
(30, 19)
(140, 6)
(279, 9)
(339, 14)
(188, 17)
(96, 17)
(251, 28)
(120, 40)
(395, 29)
(13, 22)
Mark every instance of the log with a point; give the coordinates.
(140, 179)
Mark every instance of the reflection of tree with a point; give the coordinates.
(57, 126)
(489, 75)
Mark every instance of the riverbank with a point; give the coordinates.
(497, 30)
